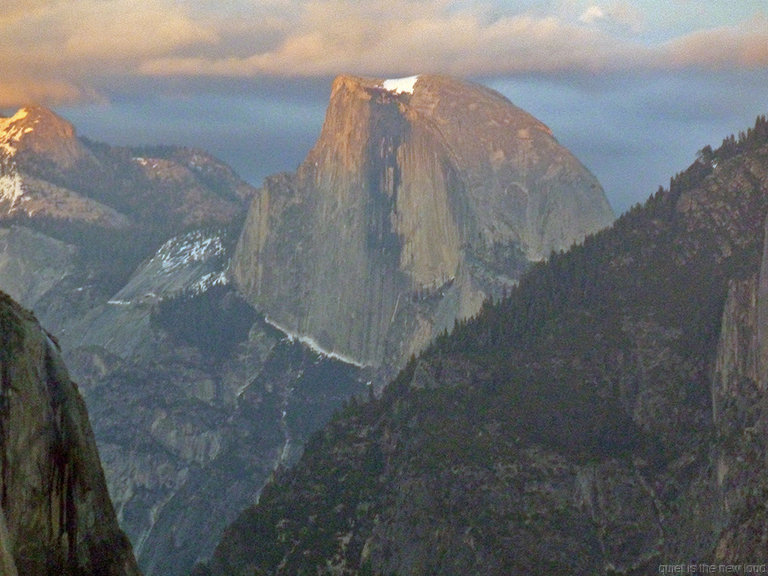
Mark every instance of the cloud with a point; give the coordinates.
(59, 50)
(51, 50)
(742, 46)
(592, 14)
(402, 36)
(617, 16)
(34, 90)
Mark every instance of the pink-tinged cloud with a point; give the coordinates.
(744, 46)
(23, 91)
(337, 35)
(51, 50)
(618, 14)
(59, 50)
(592, 14)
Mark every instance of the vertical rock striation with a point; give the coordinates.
(415, 204)
(740, 418)
(55, 514)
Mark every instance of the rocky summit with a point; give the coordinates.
(55, 512)
(50, 177)
(37, 129)
(422, 197)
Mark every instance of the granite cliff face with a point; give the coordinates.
(421, 198)
(608, 417)
(55, 512)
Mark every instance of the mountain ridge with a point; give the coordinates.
(607, 416)
(93, 246)
(188, 388)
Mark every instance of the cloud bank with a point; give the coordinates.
(57, 51)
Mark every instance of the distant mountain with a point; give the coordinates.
(55, 512)
(116, 204)
(35, 141)
(421, 198)
(144, 186)
(608, 416)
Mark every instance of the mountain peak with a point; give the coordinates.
(442, 98)
(404, 85)
(422, 196)
(33, 116)
(39, 130)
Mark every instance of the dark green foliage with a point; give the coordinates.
(500, 259)
(214, 321)
(547, 347)
(321, 386)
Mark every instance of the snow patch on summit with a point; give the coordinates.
(400, 85)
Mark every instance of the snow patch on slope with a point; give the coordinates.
(192, 262)
(208, 281)
(312, 344)
(400, 85)
(197, 246)
(12, 190)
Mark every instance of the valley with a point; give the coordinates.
(430, 349)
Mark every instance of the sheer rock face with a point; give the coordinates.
(740, 417)
(55, 512)
(438, 192)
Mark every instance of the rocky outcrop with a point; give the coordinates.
(740, 418)
(36, 130)
(32, 264)
(122, 252)
(194, 400)
(55, 512)
(421, 198)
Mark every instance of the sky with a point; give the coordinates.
(633, 87)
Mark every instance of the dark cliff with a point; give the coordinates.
(608, 416)
(55, 514)
(421, 198)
